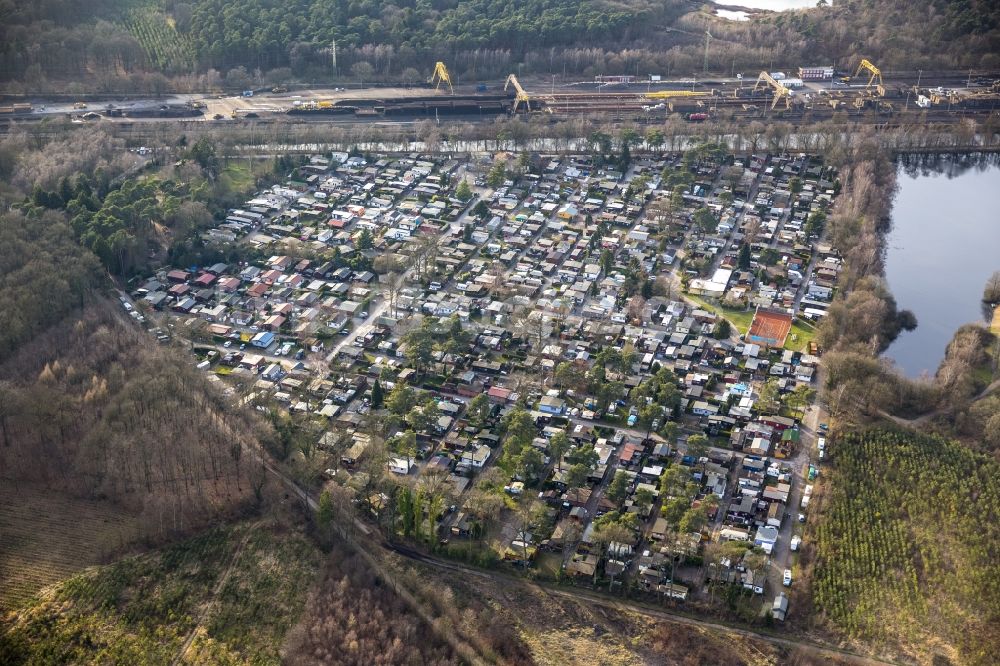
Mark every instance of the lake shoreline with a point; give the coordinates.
(939, 249)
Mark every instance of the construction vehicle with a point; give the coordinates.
(780, 91)
(440, 76)
(521, 95)
(876, 76)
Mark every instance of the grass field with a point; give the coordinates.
(241, 176)
(740, 319)
(237, 590)
(800, 336)
(45, 538)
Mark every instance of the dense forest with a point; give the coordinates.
(134, 45)
(88, 408)
(43, 276)
(907, 548)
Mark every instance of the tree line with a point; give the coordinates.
(210, 43)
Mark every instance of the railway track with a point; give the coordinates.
(152, 128)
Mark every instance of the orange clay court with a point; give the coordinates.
(769, 327)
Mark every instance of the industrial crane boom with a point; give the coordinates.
(876, 76)
(441, 75)
(780, 90)
(521, 95)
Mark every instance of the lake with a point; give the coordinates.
(944, 244)
(773, 5)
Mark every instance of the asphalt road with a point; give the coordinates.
(781, 556)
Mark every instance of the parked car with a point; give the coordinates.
(795, 543)
(786, 579)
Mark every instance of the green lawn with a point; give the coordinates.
(238, 175)
(740, 319)
(800, 336)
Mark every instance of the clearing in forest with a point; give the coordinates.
(45, 537)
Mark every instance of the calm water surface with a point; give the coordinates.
(944, 244)
(773, 5)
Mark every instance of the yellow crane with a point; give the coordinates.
(440, 76)
(521, 95)
(780, 91)
(876, 76)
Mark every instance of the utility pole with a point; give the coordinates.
(708, 36)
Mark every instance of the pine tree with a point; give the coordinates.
(743, 261)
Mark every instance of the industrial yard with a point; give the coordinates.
(811, 93)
